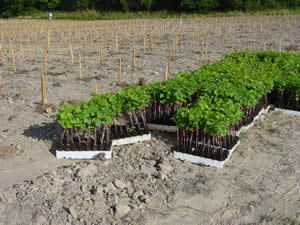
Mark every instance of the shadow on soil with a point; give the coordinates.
(47, 132)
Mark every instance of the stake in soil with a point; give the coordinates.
(45, 60)
(120, 68)
(43, 89)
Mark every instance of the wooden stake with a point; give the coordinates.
(169, 61)
(71, 53)
(43, 89)
(166, 72)
(95, 88)
(80, 67)
(174, 47)
(101, 55)
(0, 50)
(120, 68)
(45, 60)
(133, 59)
(12, 57)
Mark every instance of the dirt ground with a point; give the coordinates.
(142, 183)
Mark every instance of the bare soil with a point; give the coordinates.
(142, 183)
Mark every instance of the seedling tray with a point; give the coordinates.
(164, 128)
(83, 154)
(245, 128)
(288, 112)
(131, 140)
(205, 161)
(107, 154)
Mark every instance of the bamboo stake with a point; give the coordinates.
(133, 59)
(0, 50)
(174, 47)
(43, 89)
(169, 61)
(120, 68)
(210, 60)
(95, 88)
(12, 57)
(71, 53)
(45, 60)
(166, 72)
(101, 55)
(80, 67)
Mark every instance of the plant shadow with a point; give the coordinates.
(47, 132)
(167, 137)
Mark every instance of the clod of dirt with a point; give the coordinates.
(9, 151)
(47, 108)
(121, 210)
(119, 184)
(90, 170)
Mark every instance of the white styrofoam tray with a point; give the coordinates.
(204, 161)
(159, 127)
(245, 128)
(82, 154)
(288, 112)
(131, 140)
(107, 154)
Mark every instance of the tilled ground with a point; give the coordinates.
(144, 184)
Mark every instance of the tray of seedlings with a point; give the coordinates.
(285, 95)
(205, 134)
(133, 126)
(232, 95)
(165, 98)
(94, 127)
(251, 114)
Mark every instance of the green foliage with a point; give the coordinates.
(23, 7)
(211, 114)
(200, 5)
(235, 82)
(100, 110)
(223, 89)
(174, 91)
(133, 98)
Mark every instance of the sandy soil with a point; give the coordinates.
(143, 183)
